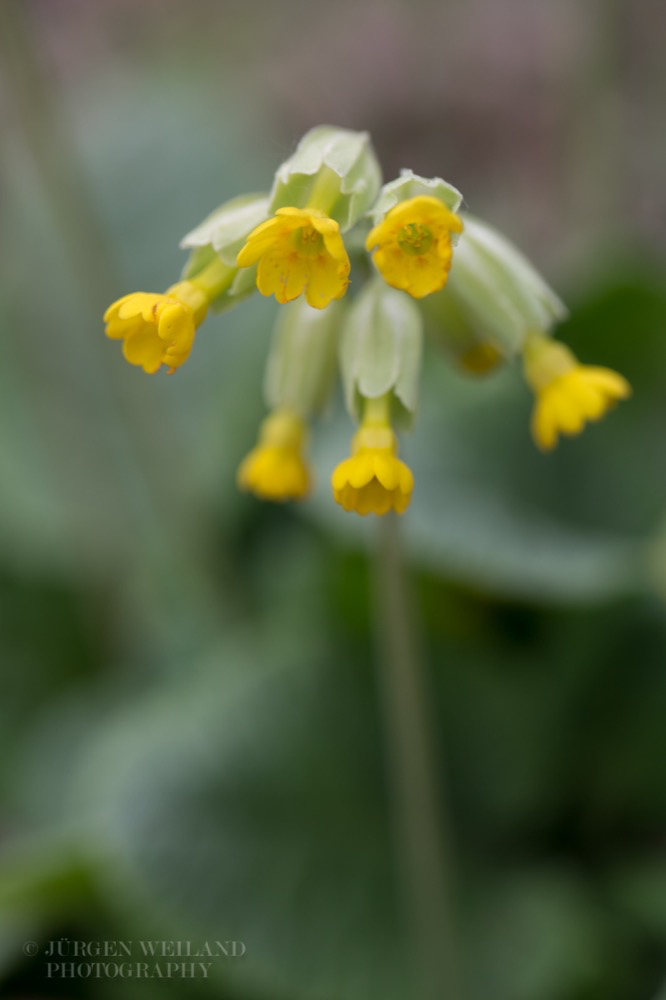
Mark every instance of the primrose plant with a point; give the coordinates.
(422, 265)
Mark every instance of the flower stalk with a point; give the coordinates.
(421, 839)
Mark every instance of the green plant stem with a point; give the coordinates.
(421, 842)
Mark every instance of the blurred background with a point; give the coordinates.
(191, 743)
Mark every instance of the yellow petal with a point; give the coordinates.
(144, 348)
(423, 210)
(419, 276)
(544, 430)
(328, 228)
(111, 313)
(176, 325)
(275, 473)
(373, 481)
(340, 475)
(284, 277)
(176, 354)
(324, 282)
(346, 497)
(140, 304)
(611, 382)
(592, 401)
(401, 501)
(445, 249)
(296, 479)
(385, 468)
(405, 479)
(374, 499)
(375, 237)
(361, 470)
(301, 216)
(116, 329)
(567, 411)
(336, 248)
(259, 241)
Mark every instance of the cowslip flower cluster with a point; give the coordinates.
(423, 268)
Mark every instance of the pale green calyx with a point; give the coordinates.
(228, 227)
(493, 296)
(302, 361)
(448, 324)
(410, 185)
(334, 171)
(220, 236)
(380, 350)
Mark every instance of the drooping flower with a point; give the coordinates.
(157, 329)
(276, 469)
(413, 248)
(568, 393)
(373, 480)
(298, 250)
(482, 301)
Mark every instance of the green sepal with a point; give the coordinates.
(228, 227)
(380, 350)
(333, 170)
(410, 185)
(493, 293)
(302, 361)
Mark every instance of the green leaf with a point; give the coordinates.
(538, 933)
(639, 889)
(246, 801)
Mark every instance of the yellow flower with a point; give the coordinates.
(568, 393)
(157, 329)
(276, 468)
(298, 250)
(373, 480)
(413, 245)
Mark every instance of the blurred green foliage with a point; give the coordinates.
(191, 746)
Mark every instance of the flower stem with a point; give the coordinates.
(377, 410)
(214, 279)
(420, 836)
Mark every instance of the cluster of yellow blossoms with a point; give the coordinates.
(435, 270)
